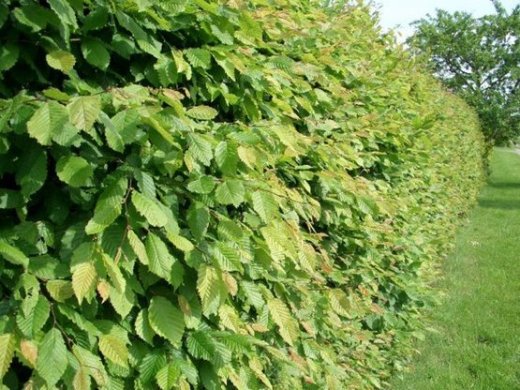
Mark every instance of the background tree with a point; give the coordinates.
(480, 59)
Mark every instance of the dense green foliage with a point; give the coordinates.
(242, 196)
(483, 267)
(479, 58)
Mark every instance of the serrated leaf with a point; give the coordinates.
(81, 379)
(84, 111)
(230, 192)
(52, 357)
(115, 274)
(95, 53)
(202, 112)
(150, 366)
(265, 205)
(180, 242)
(93, 364)
(61, 60)
(108, 206)
(64, 11)
(7, 344)
(47, 122)
(252, 293)
(200, 345)
(84, 278)
(198, 221)
(150, 209)
(160, 261)
(198, 58)
(75, 171)
(166, 320)
(138, 247)
(209, 287)
(200, 148)
(13, 254)
(32, 171)
(60, 290)
(203, 185)
(9, 53)
(114, 349)
(284, 319)
(168, 376)
(226, 157)
(29, 351)
(143, 328)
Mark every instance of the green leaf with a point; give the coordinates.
(108, 206)
(8, 56)
(64, 11)
(92, 364)
(230, 192)
(84, 273)
(180, 242)
(7, 344)
(61, 60)
(52, 357)
(115, 274)
(201, 346)
(202, 112)
(114, 349)
(75, 171)
(209, 287)
(84, 111)
(265, 205)
(203, 185)
(10, 199)
(13, 254)
(160, 261)
(143, 328)
(198, 221)
(198, 58)
(226, 157)
(60, 290)
(32, 171)
(138, 247)
(47, 122)
(200, 148)
(150, 365)
(95, 53)
(81, 379)
(168, 376)
(166, 320)
(150, 209)
(284, 319)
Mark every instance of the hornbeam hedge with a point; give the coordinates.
(241, 194)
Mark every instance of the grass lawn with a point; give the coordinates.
(478, 341)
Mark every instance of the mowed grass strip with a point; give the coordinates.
(478, 341)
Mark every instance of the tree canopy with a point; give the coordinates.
(480, 59)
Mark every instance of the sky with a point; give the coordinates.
(403, 12)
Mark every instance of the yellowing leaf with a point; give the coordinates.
(61, 60)
(202, 112)
(29, 351)
(84, 111)
(84, 277)
(114, 349)
(284, 319)
(7, 344)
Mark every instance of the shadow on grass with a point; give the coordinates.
(504, 204)
(505, 185)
